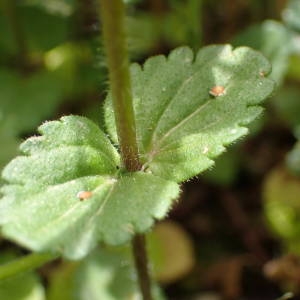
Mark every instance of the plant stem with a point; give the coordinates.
(23, 264)
(112, 16)
(141, 263)
(17, 31)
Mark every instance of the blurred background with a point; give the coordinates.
(235, 233)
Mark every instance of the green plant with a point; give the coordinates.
(74, 186)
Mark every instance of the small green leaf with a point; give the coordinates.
(181, 128)
(42, 209)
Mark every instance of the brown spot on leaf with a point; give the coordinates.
(217, 90)
(83, 195)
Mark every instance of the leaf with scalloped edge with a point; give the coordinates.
(42, 207)
(181, 128)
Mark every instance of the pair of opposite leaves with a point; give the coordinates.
(180, 129)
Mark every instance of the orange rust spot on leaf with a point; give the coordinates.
(83, 195)
(217, 90)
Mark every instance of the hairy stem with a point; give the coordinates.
(24, 264)
(112, 16)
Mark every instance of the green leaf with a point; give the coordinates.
(71, 156)
(105, 274)
(274, 40)
(181, 128)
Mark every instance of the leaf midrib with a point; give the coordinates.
(181, 86)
